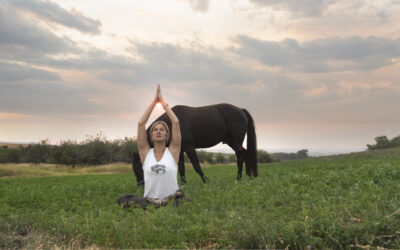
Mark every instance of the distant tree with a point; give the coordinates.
(263, 156)
(395, 142)
(302, 154)
(281, 156)
(220, 158)
(210, 158)
(68, 153)
(12, 155)
(201, 155)
(382, 142)
(123, 149)
(231, 158)
(38, 153)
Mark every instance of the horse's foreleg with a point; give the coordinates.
(181, 168)
(191, 153)
(137, 169)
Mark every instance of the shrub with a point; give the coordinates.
(382, 142)
(263, 156)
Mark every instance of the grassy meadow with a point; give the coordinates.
(345, 201)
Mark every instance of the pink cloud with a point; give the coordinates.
(14, 116)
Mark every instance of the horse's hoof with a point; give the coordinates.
(140, 183)
(206, 180)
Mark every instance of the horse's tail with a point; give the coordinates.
(251, 154)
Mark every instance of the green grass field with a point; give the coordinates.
(346, 201)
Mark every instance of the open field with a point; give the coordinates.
(341, 201)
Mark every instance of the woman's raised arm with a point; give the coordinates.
(175, 144)
(142, 143)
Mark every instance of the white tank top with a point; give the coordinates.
(159, 176)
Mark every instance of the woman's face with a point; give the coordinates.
(159, 133)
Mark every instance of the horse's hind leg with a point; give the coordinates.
(240, 153)
(181, 168)
(191, 153)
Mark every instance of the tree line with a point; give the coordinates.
(94, 150)
(98, 150)
(382, 142)
(280, 156)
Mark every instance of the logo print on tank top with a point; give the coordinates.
(158, 168)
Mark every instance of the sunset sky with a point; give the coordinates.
(315, 74)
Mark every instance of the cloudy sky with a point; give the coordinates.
(316, 74)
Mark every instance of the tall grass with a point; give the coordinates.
(41, 170)
(327, 202)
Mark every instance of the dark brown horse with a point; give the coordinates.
(204, 127)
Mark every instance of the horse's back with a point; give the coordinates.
(211, 116)
(207, 126)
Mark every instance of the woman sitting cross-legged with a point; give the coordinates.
(160, 162)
